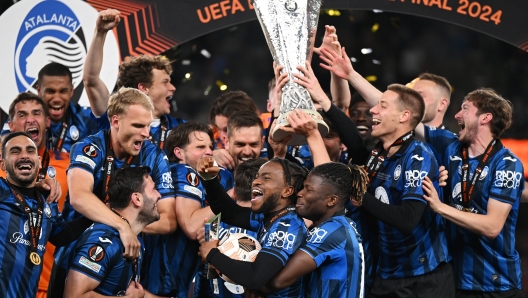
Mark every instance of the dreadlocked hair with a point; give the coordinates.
(294, 175)
(348, 181)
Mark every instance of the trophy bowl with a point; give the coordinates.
(289, 27)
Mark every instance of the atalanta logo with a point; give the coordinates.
(38, 32)
(50, 32)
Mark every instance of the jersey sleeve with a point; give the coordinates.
(5, 129)
(508, 180)
(86, 155)
(323, 242)
(56, 217)
(161, 174)
(284, 238)
(187, 184)
(226, 179)
(102, 121)
(96, 256)
(439, 139)
(418, 165)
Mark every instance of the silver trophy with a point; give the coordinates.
(290, 27)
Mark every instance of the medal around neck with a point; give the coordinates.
(289, 27)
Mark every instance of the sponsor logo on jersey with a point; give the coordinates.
(281, 239)
(414, 178)
(86, 160)
(89, 264)
(316, 235)
(508, 179)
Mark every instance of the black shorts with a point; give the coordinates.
(437, 283)
(515, 293)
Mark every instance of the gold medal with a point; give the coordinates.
(34, 258)
(466, 209)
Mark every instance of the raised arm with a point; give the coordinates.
(341, 66)
(95, 88)
(338, 87)
(84, 201)
(344, 126)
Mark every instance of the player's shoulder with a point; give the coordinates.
(96, 140)
(290, 221)
(102, 235)
(173, 122)
(419, 151)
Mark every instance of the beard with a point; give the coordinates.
(21, 180)
(149, 213)
(269, 204)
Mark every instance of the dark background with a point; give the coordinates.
(403, 46)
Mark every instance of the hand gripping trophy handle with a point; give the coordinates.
(289, 27)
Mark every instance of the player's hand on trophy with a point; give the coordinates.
(309, 81)
(341, 66)
(207, 168)
(205, 248)
(280, 81)
(280, 147)
(330, 41)
(107, 20)
(301, 123)
(224, 159)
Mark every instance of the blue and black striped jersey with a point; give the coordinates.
(90, 155)
(281, 240)
(400, 178)
(172, 260)
(479, 263)
(18, 275)
(98, 254)
(335, 246)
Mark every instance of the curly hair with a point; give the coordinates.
(138, 70)
(348, 181)
(488, 101)
(294, 175)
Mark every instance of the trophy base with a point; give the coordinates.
(297, 140)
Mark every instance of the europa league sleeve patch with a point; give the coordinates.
(96, 253)
(192, 179)
(90, 151)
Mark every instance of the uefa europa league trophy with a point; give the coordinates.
(289, 27)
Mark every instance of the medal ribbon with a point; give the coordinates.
(379, 154)
(109, 167)
(467, 192)
(162, 136)
(34, 222)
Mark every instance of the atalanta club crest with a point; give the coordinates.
(38, 32)
(50, 32)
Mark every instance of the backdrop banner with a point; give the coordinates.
(156, 25)
(41, 31)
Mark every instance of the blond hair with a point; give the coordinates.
(120, 101)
